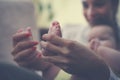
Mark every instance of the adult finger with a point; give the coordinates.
(54, 39)
(23, 45)
(53, 49)
(20, 30)
(25, 55)
(57, 60)
(20, 36)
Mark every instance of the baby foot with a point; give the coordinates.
(55, 29)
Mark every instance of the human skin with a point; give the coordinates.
(26, 54)
(75, 58)
(104, 35)
(70, 56)
(24, 51)
(51, 73)
(99, 11)
(111, 57)
(91, 23)
(102, 41)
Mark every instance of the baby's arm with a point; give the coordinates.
(111, 57)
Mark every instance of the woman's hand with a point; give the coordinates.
(74, 58)
(24, 51)
(24, 48)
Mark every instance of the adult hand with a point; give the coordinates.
(24, 50)
(74, 58)
(25, 53)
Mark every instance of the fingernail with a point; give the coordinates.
(35, 42)
(20, 30)
(28, 35)
(39, 55)
(33, 48)
(28, 28)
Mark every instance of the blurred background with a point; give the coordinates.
(38, 14)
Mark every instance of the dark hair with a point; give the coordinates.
(116, 35)
(115, 2)
(114, 25)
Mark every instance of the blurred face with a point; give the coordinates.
(104, 35)
(97, 11)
